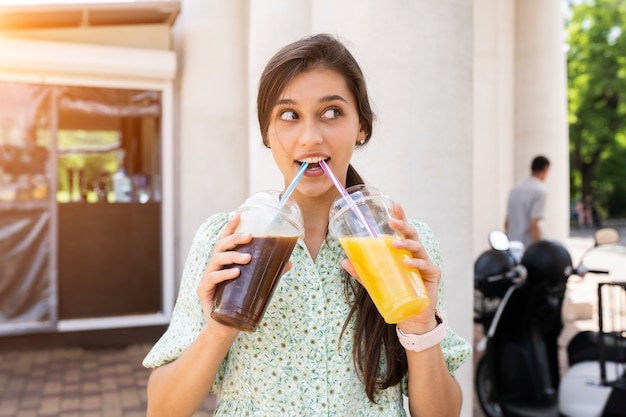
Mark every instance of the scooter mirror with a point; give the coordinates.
(499, 240)
(606, 236)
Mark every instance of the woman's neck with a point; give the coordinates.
(315, 215)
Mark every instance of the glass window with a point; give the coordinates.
(109, 167)
(84, 164)
(27, 298)
(108, 145)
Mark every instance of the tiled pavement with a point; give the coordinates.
(77, 382)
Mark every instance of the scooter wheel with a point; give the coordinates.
(485, 391)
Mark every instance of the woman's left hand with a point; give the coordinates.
(430, 273)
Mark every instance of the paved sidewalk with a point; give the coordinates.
(77, 382)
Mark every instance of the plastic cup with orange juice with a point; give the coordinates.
(361, 223)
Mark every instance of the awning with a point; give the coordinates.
(83, 14)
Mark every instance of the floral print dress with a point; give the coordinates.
(296, 363)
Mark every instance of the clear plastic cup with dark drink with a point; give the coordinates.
(275, 229)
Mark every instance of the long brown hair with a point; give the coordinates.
(373, 337)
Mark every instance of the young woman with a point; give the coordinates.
(322, 348)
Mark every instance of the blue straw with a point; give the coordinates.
(293, 184)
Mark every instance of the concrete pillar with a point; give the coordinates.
(294, 20)
(541, 104)
(211, 142)
(494, 123)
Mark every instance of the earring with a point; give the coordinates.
(361, 142)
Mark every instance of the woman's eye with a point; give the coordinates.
(331, 113)
(288, 115)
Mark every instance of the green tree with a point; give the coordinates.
(596, 61)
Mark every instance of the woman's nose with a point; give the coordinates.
(311, 133)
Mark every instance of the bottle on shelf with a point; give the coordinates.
(122, 185)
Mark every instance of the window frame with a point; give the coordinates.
(61, 63)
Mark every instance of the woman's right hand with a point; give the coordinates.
(223, 255)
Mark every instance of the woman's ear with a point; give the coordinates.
(361, 137)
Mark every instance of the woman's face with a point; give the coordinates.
(314, 118)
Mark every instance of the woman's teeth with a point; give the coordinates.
(312, 160)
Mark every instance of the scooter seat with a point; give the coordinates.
(584, 347)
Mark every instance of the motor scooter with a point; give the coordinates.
(495, 271)
(518, 375)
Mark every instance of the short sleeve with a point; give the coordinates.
(456, 350)
(187, 317)
(538, 204)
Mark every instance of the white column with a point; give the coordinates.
(541, 104)
(494, 127)
(272, 25)
(211, 144)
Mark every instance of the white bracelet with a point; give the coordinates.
(420, 342)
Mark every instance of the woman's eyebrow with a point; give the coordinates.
(324, 99)
(284, 101)
(333, 97)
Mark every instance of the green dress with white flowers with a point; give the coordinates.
(296, 363)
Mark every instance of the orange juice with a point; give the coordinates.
(397, 290)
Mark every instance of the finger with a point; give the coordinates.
(231, 226)
(287, 267)
(224, 251)
(210, 279)
(207, 285)
(229, 239)
(222, 260)
(414, 246)
(398, 211)
(419, 259)
(428, 270)
(412, 243)
(230, 242)
(401, 224)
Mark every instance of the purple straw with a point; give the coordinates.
(348, 199)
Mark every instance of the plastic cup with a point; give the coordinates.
(397, 290)
(275, 228)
